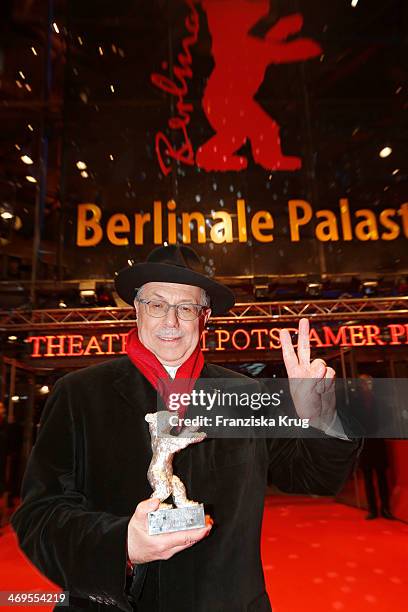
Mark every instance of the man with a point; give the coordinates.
(83, 519)
(374, 456)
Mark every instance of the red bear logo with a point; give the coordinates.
(240, 64)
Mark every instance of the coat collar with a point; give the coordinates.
(140, 394)
(132, 385)
(134, 388)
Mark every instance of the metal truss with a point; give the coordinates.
(65, 318)
(340, 309)
(347, 310)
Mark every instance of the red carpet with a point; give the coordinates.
(318, 556)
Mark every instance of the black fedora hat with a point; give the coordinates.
(173, 264)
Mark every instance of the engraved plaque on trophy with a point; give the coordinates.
(186, 514)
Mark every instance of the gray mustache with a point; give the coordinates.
(169, 333)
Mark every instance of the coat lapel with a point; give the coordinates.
(206, 447)
(142, 397)
(136, 390)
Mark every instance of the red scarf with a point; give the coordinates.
(156, 374)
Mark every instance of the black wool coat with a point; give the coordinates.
(87, 473)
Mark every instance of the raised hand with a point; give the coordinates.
(311, 383)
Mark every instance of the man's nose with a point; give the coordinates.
(171, 317)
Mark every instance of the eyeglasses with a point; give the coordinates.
(159, 308)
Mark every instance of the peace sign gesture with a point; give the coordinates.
(311, 383)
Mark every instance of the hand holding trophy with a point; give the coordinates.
(152, 516)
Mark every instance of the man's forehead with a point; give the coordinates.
(171, 289)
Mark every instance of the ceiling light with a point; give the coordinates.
(31, 179)
(396, 171)
(81, 165)
(56, 28)
(370, 287)
(44, 389)
(84, 174)
(354, 3)
(314, 289)
(6, 211)
(385, 152)
(261, 291)
(34, 51)
(26, 159)
(87, 296)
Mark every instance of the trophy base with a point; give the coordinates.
(168, 520)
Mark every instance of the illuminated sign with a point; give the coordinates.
(240, 62)
(223, 227)
(223, 339)
(178, 87)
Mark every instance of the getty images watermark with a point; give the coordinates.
(217, 399)
(244, 407)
